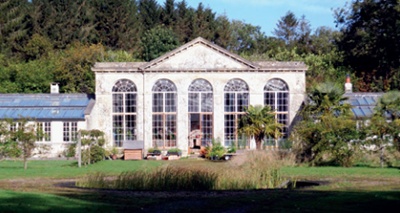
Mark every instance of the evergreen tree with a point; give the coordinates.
(223, 32)
(117, 24)
(168, 13)
(203, 23)
(371, 41)
(183, 21)
(13, 26)
(149, 14)
(286, 28)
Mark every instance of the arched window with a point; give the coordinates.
(276, 95)
(124, 95)
(200, 109)
(164, 114)
(236, 100)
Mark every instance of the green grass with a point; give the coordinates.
(357, 189)
(39, 202)
(340, 172)
(67, 169)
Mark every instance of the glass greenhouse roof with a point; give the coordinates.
(363, 104)
(45, 106)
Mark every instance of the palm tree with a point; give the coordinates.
(326, 98)
(259, 122)
(389, 103)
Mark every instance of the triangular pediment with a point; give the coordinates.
(199, 54)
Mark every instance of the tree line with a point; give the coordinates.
(44, 41)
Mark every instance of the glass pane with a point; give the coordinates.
(170, 102)
(229, 102)
(130, 127)
(170, 131)
(269, 99)
(124, 85)
(193, 102)
(283, 119)
(229, 134)
(47, 131)
(117, 103)
(158, 102)
(276, 85)
(200, 85)
(243, 101)
(66, 132)
(236, 85)
(282, 102)
(158, 132)
(130, 102)
(206, 102)
(118, 130)
(206, 130)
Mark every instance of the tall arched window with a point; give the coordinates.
(164, 114)
(236, 98)
(200, 109)
(276, 95)
(124, 95)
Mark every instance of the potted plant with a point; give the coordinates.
(153, 154)
(174, 151)
(114, 153)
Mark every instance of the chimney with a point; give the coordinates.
(54, 88)
(348, 86)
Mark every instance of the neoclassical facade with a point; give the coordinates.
(190, 96)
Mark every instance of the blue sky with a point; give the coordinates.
(266, 13)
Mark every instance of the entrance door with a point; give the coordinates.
(200, 130)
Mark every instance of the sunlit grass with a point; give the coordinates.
(39, 202)
(68, 169)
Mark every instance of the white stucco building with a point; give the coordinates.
(191, 95)
(183, 99)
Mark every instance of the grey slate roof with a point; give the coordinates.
(46, 106)
(256, 66)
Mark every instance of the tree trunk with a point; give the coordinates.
(381, 156)
(25, 163)
(258, 144)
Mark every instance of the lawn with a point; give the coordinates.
(67, 169)
(357, 189)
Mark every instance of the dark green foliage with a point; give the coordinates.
(70, 151)
(14, 30)
(117, 24)
(327, 131)
(149, 14)
(158, 41)
(92, 142)
(97, 153)
(55, 30)
(216, 150)
(371, 41)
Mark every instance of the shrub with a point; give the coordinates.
(70, 151)
(216, 151)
